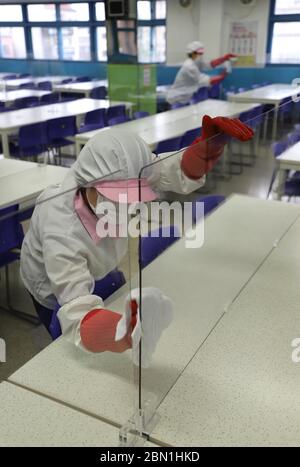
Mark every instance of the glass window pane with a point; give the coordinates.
(11, 13)
(144, 10)
(127, 42)
(12, 43)
(144, 44)
(287, 7)
(285, 45)
(160, 9)
(74, 11)
(159, 44)
(100, 11)
(76, 43)
(101, 44)
(44, 43)
(41, 12)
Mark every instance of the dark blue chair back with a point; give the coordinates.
(11, 232)
(67, 81)
(178, 105)
(23, 102)
(50, 98)
(279, 147)
(200, 95)
(97, 116)
(24, 75)
(169, 145)
(8, 77)
(116, 111)
(157, 242)
(45, 85)
(99, 93)
(214, 91)
(83, 79)
(33, 135)
(211, 202)
(61, 127)
(189, 137)
(27, 86)
(104, 288)
(117, 120)
(140, 114)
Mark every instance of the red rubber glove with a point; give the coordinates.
(98, 330)
(202, 155)
(220, 60)
(217, 79)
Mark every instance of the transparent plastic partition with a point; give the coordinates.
(61, 216)
(171, 235)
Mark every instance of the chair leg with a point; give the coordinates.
(20, 314)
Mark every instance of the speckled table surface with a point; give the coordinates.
(28, 419)
(243, 388)
(202, 283)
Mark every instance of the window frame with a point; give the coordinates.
(91, 24)
(273, 18)
(153, 23)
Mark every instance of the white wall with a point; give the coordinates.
(209, 21)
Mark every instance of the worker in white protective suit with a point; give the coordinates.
(191, 75)
(62, 254)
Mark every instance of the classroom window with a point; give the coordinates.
(12, 13)
(76, 43)
(286, 40)
(144, 10)
(152, 31)
(101, 44)
(44, 43)
(12, 42)
(287, 7)
(284, 32)
(42, 12)
(100, 11)
(74, 11)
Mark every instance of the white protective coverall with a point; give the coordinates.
(59, 258)
(188, 80)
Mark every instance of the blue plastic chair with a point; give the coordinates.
(157, 242)
(24, 102)
(278, 148)
(200, 95)
(293, 138)
(104, 288)
(93, 120)
(140, 114)
(11, 238)
(58, 130)
(117, 120)
(45, 85)
(31, 141)
(66, 81)
(50, 98)
(178, 105)
(211, 202)
(214, 91)
(24, 75)
(169, 145)
(8, 77)
(189, 137)
(116, 111)
(27, 86)
(99, 93)
(82, 79)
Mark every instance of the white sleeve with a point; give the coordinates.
(66, 267)
(168, 176)
(201, 79)
(71, 315)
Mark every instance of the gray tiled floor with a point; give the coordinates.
(24, 340)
